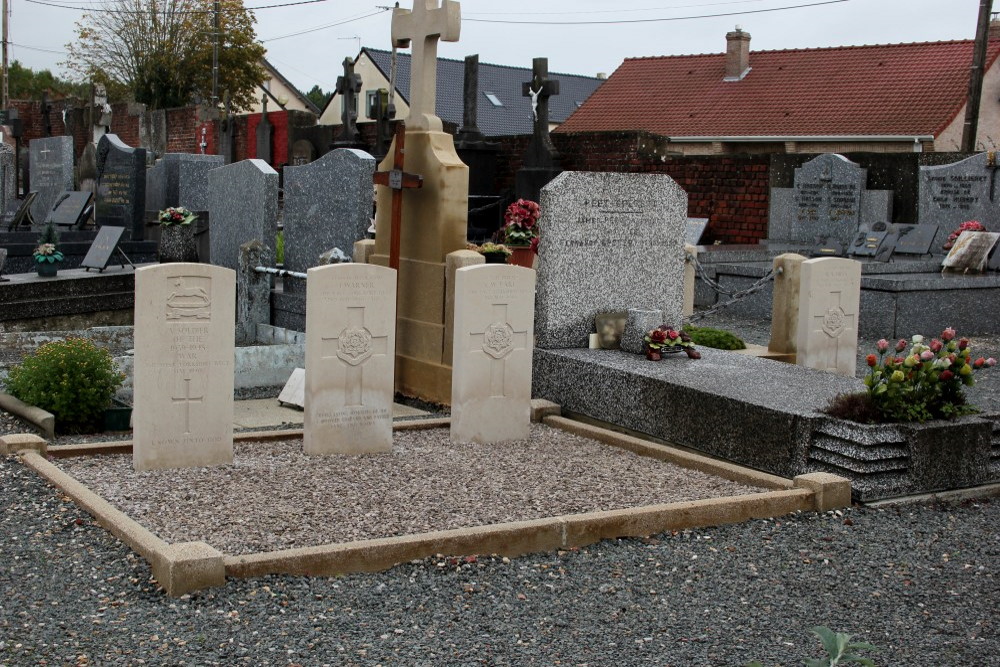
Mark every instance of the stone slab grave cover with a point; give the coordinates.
(51, 166)
(184, 364)
(829, 303)
(824, 204)
(69, 209)
(242, 207)
(350, 359)
(294, 391)
(121, 186)
(951, 194)
(608, 242)
(491, 368)
(328, 204)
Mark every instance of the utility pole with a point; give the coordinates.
(215, 55)
(6, 89)
(971, 126)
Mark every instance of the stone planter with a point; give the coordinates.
(177, 244)
(495, 258)
(118, 417)
(886, 460)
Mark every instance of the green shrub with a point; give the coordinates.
(73, 379)
(279, 248)
(717, 338)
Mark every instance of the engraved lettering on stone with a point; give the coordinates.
(190, 299)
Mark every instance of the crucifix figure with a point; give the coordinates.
(539, 89)
(348, 87)
(423, 26)
(397, 180)
(354, 347)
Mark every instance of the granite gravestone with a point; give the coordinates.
(70, 209)
(348, 87)
(827, 205)
(156, 187)
(184, 365)
(954, 193)
(51, 167)
(121, 185)
(243, 207)
(8, 176)
(328, 204)
(695, 229)
(608, 242)
(183, 180)
(3, 260)
(915, 239)
(264, 135)
(350, 359)
(829, 303)
(491, 364)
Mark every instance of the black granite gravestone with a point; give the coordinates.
(121, 185)
(541, 161)
(382, 112)
(71, 209)
(915, 239)
(104, 246)
(265, 135)
(866, 244)
(19, 212)
(485, 210)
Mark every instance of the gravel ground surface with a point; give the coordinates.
(919, 582)
(427, 483)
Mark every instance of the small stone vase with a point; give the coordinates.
(177, 244)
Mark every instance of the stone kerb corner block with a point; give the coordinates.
(830, 491)
(189, 566)
(19, 442)
(608, 242)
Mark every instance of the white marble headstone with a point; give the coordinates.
(350, 359)
(491, 369)
(829, 303)
(184, 359)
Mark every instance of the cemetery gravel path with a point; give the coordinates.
(920, 582)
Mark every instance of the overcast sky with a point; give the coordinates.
(629, 30)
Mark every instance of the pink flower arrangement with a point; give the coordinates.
(521, 224)
(969, 226)
(664, 337)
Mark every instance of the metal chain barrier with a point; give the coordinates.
(736, 297)
(705, 278)
(486, 207)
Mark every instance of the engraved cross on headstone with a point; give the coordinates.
(187, 399)
(830, 319)
(348, 87)
(354, 347)
(424, 25)
(497, 341)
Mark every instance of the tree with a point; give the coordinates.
(24, 83)
(318, 97)
(160, 53)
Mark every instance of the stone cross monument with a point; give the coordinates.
(348, 87)
(541, 161)
(433, 218)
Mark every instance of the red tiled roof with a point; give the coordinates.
(894, 89)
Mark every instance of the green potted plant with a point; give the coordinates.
(177, 242)
(520, 231)
(47, 256)
(495, 253)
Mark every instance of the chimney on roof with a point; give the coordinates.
(602, 76)
(994, 31)
(737, 54)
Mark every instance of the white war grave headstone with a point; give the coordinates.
(491, 369)
(829, 303)
(350, 359)
(184, 343)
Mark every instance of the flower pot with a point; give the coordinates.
(118, 417)
(495, 258)
(177, 244)
(48, 269)
(522, 256)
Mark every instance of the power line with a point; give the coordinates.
(324, 27)
(613, 11)
(37, 48)
(178, 11)
(672, 18)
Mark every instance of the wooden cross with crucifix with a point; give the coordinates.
(397, 180)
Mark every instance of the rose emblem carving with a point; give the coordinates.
(355, 345)
(498, 340)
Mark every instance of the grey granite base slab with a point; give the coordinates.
(765, 415)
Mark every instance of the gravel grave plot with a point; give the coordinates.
(274, 497)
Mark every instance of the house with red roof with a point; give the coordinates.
(881, 98)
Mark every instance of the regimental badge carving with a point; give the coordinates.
(834, 322)
(191, 299)
(355, 345)
(498, 340)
